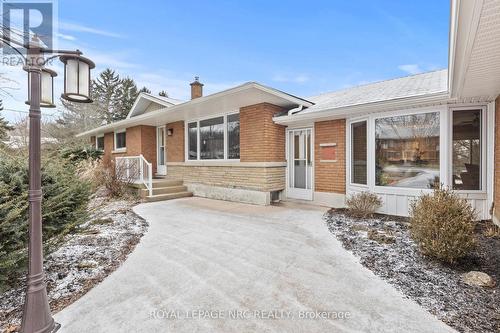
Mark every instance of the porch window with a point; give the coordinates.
(99, 143)
(467, 150)
(407, 151)
(212, 139)
(120, 140)
(233, 136)
(193, 141)
(358, 153)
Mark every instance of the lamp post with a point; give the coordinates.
(36, 311)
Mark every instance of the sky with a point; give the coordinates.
(301, 47)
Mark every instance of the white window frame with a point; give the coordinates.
(349, 138)
(484, 136)
(122, 149)
(197, 121)
(96, 142)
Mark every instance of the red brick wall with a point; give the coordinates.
(330, 176)
(261, 140)
(140, 140)
(175, 142)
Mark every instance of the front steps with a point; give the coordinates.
(165, 189)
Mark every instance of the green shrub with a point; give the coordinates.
(65, 199)
(442, 224)
(363, 204)
(81, 153)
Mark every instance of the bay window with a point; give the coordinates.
(407, 151)
(466, 150)
(215, 138)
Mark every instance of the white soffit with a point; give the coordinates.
(480, 75)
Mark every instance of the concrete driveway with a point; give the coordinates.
(215, 266)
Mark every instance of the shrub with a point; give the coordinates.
(81, 153)
(64, 203)
(115, 179)
(442, 224)
(363, 204)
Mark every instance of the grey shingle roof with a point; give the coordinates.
(409, 86)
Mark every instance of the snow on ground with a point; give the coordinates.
(384, 245)
(84, 259)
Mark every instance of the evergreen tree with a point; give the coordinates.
(4, 125)
(128, 93)
(145, 90)
(107, 94)
(163, 93)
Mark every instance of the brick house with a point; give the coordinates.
(397, 138)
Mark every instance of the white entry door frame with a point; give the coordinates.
(161, 151)
(300, 168)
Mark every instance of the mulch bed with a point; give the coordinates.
(435, 286)
(84, 259)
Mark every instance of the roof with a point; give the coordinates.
(405, 87)
(249, 93)
(144, 100)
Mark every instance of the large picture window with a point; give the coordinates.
(214, 139)
(358, 153)
(467, 150)
(407, 151)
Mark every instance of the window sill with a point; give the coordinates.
(119, 151)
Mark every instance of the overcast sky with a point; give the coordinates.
(301, 47)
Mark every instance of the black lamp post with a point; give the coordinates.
(36, 311)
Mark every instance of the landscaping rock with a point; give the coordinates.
(480, 279)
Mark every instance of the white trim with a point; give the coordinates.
(490, 152)
(483, 161)
(119, 149)
(228, 163)
(198, 147)
(349, 151)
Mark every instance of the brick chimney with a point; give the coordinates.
(196, 88)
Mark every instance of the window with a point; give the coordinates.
(212, 139)
(466, 150)
(193, 141)
(99, 142)
(358, 153)
(407, 151)
(120, 140)
(233, 136)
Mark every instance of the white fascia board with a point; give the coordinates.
(349, 111)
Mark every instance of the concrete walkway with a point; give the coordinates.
(214, 261)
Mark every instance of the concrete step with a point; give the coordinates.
(168, 196)
(163, 190)
(157, 183)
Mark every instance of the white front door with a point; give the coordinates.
(300, 167)
(161, 159)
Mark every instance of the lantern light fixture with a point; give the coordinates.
(77, 78)
(46, 88)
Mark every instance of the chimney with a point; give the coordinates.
(196, 88)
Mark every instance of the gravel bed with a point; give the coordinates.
(436, 287)
(84, 259)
